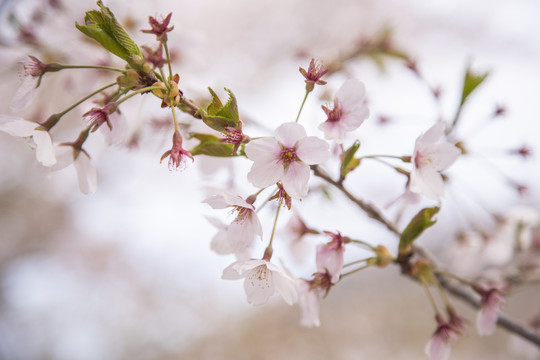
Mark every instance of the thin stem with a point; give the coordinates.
(174, 118)
(356, 262)
(168, 59)
(402, 158)
(140, 91)
(453, 276)
(431, 299)
(274, 226)
(302, 106)
(354, 271)
(92, 67)
(364, 244)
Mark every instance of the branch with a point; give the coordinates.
(460, 292)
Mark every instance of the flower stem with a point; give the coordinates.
(364, 244)
(168, 59)
(53, 119)
(431, 299)
(355, 270)
(91, 67)
(269, 247)
(140, 91)
(302, 106)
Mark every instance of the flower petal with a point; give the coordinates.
(44, 147)
(285, 286)
(263, 149)
(24, 94)
(351, 94)
(427, 182)
(263, 174)
(86, 173)
(16, 126)
(313, 150)
(289, 134)
(259, 285)
(296, 179)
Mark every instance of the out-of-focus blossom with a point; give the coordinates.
(440, 345)
(86, 171)
(431, 155)
(286, 157)
(309, 295)
(486, 320)
(96, 117)
(159, 28)
(177, 154)
(330, 255)
(238, 237)
(349, 111)
(262, 280)
(20, 127)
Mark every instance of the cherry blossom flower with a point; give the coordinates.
(313, 74)
(440, 345)
(159, 28)
(286, 157)
(262, 280)
(239, 235)
(309, 294)
(96, 117)
(177, 154)
(431, 155)
(30, 72)
(349, 111)
(86, 172)
(486, 320)
(20, 127)
(330, 255)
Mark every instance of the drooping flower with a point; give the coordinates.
(20, 127)
(313, 74)
(238, 237)
(486, 319)
(159, 28)
(86, 171)
(309, 295)
(30, 72)
(349, 111)
(96, 117)
(440, 345)
(330, 255)
(286, 157)
(177, 154)
(431, 155)
(262, 280)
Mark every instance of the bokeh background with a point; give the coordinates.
(127, 273)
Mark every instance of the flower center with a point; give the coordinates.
(335, 114)
(288, 155)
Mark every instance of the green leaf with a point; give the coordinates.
(103, 27)
(470, 83)
(349, 162)
(419, 223)
(211, 145)
(218, 116)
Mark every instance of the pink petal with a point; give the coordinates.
(351, 94)
(259, 285)
(443, 155)
(333, 130)
(296, 179)
(263, 149)
(308, 300)
(313, 150)
(433, 134)
(290, 133)
(263, 174)
(438, 349)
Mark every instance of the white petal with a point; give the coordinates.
(290, 133)
(263, 149)
(296, 179)
(24, 94)
(285, 286)
(433, 134)
(115, 135)
(44, 147)
(333, 130)
(265, 174)
(443, 155)
(217, 201)
(16, 126)
(313, 150)
(351, 94)
(438, 349)
(308, 300)
(259, 285)
(231, 272)
(86, 173)
(64, 157)
(352, 119)
(427, 182)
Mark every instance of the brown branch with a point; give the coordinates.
(460, 292)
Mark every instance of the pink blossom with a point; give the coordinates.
(286, 157)
(330, 255)
(30, 72)
(309, 294)
(238, 237)
(313, 74)
(431, 155)
(20, 127)
(486, 320)
(96, 117)
(440, 345)
(349, 111)
(177, 154)
(262, 280)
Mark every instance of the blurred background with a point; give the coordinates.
(127, 273)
